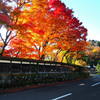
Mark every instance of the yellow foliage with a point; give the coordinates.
(80, 63)
(96, 49)
(1, 44)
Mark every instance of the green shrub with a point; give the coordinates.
(20, 80)
(98, 68)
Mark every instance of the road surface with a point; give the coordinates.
(88, 89)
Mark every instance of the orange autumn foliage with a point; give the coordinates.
(46, 26)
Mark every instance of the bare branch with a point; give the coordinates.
(10, 39)
(1, 38)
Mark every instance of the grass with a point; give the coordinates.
(98, 73)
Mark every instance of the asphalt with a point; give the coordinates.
(88, 89)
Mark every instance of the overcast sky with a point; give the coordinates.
(88, 12)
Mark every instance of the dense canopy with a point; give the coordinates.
(41, 29)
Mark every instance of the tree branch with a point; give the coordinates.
(1, 38)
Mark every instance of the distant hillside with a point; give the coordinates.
(94, 43)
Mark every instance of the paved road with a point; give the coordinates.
(88, 89)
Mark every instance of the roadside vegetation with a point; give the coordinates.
(98, 68)
(24, 80)
(45, 30)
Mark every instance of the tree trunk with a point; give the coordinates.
(55, 59)
(64, 56)
(42, 57)
(2, 51)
